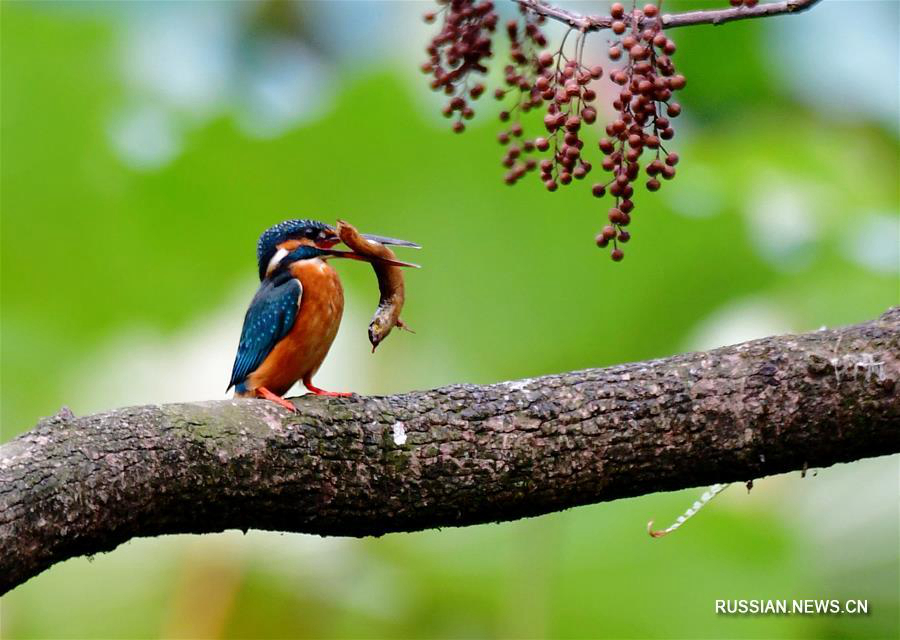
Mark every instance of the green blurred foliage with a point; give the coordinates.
(512, 287)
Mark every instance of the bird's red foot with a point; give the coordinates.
(262, 392)
(321, 392)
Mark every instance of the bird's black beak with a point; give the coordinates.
(332, 238)
(394, 241)
(338, 253)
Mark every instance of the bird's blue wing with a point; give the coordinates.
(269, 319)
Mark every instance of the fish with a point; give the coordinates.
(391, 287)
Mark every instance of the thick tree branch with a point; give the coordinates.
(669, 20)
(457, 455)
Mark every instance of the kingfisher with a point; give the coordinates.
(294, 316)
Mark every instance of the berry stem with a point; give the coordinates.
(672, 20)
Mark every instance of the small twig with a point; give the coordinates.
(671, 20)
(708, 495)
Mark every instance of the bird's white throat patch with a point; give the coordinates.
(276, 260)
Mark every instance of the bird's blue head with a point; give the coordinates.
(279, 240)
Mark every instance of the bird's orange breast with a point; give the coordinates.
(300, 353)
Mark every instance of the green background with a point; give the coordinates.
(124, 284)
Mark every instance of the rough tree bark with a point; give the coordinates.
(458, 455)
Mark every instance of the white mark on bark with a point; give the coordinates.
(517, 385)
(399, 434)
(272, 421)
(864, 365)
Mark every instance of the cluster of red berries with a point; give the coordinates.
(461, 47)
(525, 39)
(561, 84)
(644, 107)
(565, 88)
(538, 77)
(747, 3)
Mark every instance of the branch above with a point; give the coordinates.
(453, 456)
(668, 20)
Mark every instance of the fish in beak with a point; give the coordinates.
(331, 238)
